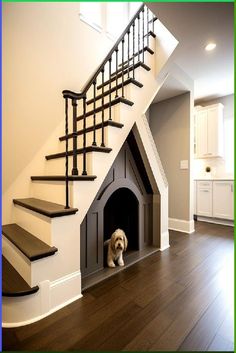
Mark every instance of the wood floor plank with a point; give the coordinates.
(106, 329)
(168, 327)
(187, 318)
(131, 328)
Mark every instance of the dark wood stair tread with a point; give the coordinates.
(105, 106)
(13, 285)
(119, 72)
(32, 247)
(45, 208)
(113, 89)
(91, 128)
(146, 48)
(150, 33)
(63, 178)
(130, 66)
(79, 151)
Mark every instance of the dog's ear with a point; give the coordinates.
(112, 241)
(125, 242)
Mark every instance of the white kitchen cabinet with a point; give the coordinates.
(204, 198)
(195, 198)
(209, 131)
(223, 199)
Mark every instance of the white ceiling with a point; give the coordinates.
(194, 25)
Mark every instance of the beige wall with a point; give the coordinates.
(170, 125)
(46, 48)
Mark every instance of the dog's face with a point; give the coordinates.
(119, 240)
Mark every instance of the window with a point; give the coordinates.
(111, 18)
(117, 18)
(91, 13)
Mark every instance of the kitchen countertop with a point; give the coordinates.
(212, 179)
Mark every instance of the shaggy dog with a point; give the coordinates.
(116, 245)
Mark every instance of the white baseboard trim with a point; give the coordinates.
(40, 317)
(164, 241)
(223, 222)
(181, 225)
(51, 297)
(165, 247)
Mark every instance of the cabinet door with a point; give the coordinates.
(215, 132)
(223, 199)
(195, 198)
(201, 134)
(204, 199)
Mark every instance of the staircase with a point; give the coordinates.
(41, 247)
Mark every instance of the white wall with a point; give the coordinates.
(220, 167)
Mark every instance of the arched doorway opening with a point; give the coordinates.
(122, 211)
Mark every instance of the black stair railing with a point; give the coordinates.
(132, 41)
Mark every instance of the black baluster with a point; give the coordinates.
(94, 114)
(122, 84)
(74, 134)
(147, 28)
(128, 54)
(133, 45)
(110, 89)
(143, 33)
(66, 164)
(117, 50)
(102, 143)
(84, 137)
(138, 38)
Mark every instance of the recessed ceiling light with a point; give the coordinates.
(210, 46)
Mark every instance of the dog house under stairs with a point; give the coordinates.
(125, 200)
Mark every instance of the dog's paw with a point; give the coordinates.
(111, 264)
(121, 263)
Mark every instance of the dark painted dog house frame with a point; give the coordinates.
(126, 173)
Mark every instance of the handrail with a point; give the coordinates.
(115, 46)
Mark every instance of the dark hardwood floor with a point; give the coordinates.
(177, 300)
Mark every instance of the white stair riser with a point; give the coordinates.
(57, 166)
(90, 118)
(52, 190)
(17, 259)
(106, 98)
(35, 223)
(89, 139)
